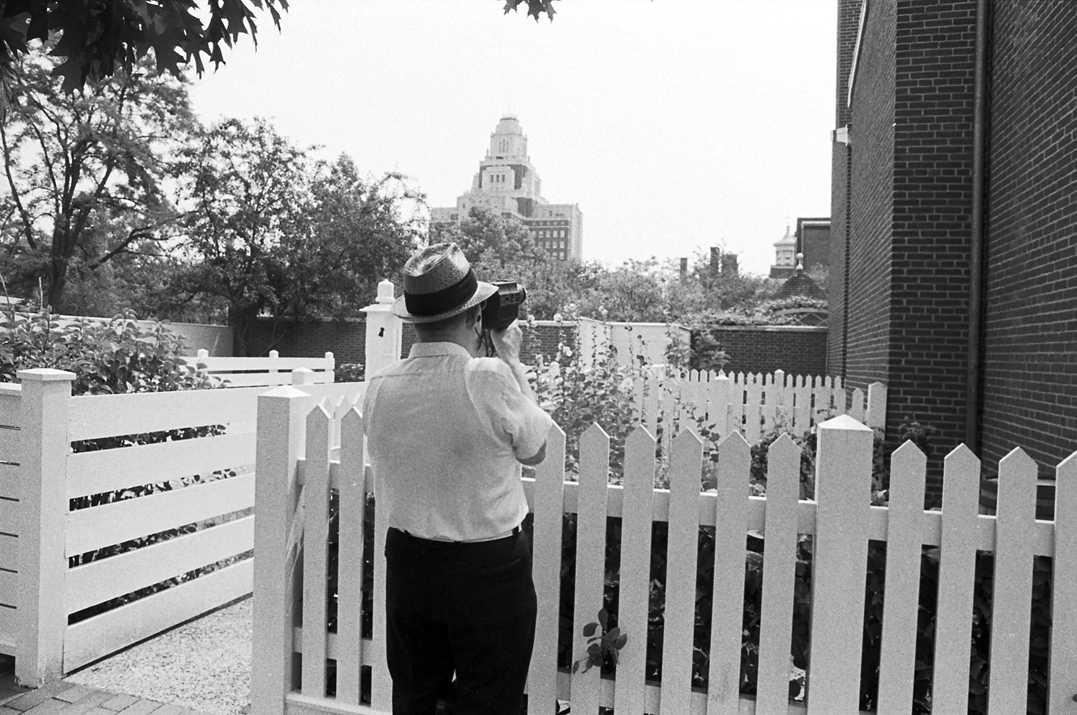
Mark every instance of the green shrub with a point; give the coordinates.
(111, 357)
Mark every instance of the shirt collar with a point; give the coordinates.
(437, 350)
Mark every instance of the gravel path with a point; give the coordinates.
(204, 665)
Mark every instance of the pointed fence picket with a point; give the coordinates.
(696, 676)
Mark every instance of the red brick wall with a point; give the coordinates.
(929, 311)
(346, 339)
(867, 332)
(1030, 341)
(798, 350)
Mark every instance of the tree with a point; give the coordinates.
(98, 38)
(84, 173)
(358, 232)
(247, 190)
(274, 233)
(490, 240)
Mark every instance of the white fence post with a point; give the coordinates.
(876, 416)
(330, 368)
(384, 331)
(43, 507)
(281, 422)
(839, 564)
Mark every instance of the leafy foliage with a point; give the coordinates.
(99, 38)
(85, 173)
(603, 643)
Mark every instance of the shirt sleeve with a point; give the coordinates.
(525, 422)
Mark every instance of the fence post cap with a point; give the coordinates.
(385, 292)
(286, 392)
(845, 422)
(45, 374)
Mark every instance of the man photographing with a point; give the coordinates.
(447, 431)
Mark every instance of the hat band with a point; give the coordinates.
(424, 304)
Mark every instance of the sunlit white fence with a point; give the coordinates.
(302, 462)
(264, 371)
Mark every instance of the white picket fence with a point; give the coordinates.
(39, 474)
(668, 401)
(301, 462)
(264, 371)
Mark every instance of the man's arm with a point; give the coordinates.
(507, 342)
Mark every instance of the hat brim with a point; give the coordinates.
(482, 292)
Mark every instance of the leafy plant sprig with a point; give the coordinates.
(600, 643)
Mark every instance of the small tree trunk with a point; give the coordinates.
(56, 277)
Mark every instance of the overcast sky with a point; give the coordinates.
(674, 124)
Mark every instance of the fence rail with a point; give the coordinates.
(264, 371)
(668, 401)
(105, 496)
(298, 447)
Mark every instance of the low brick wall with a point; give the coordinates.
(346, 339)
(796, 349)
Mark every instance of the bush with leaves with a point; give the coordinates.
(111, 357)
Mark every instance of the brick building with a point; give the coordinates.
(953, 206)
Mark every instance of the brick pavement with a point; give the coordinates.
(63, 698)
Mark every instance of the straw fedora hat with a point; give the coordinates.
(439, 283)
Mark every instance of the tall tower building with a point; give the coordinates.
(507, 184)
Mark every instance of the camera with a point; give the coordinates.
(503, 307)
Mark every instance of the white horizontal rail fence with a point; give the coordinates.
(10, 422)
(295, 459)
(668, 401)
(264, 371)
(208, 518)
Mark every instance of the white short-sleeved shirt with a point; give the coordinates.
(444, 431)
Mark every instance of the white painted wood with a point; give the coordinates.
(779, 571)
(94, 416)
(957, 567)
(590, 560)
(752, 408)
(679, 616)
(9, 484)
(730, 534)
(802, 414)
(897, 659)
(547, 505)
(720, 390)
(769, 398)
(255, 379)
(856, 410)
(9, 444)
(352, 490)
(217, 364)
(381, 684)
(876, 413)
(99, 581)
(315, 549)
(9, 628)
(635, 570)
(839, 562)
(10, 409)
(9, 552)
(281, 414)
(1062, 680)
(91, 639)
(100, 526)
(8, 586)
(1011, 606)
(108, 470)
(10, 518)
(298, 704)
(44, 444)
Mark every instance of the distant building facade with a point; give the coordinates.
(508, 185)
(808, 247)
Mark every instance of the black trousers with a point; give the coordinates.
(460, 623)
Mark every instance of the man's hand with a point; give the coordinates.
(507, 342)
